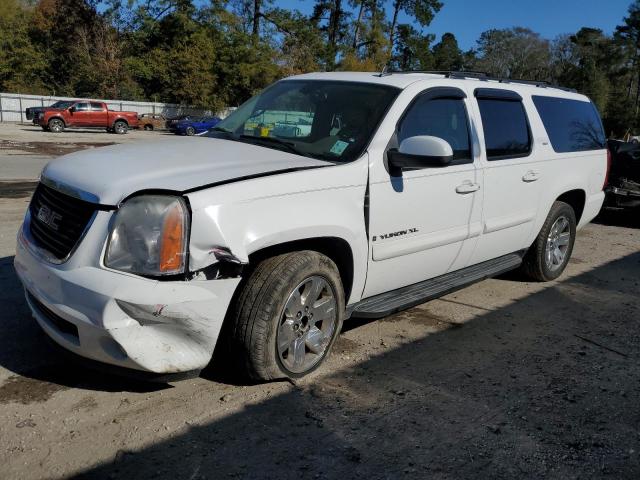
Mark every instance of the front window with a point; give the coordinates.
(329, 120)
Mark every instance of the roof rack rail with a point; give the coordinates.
(461, 74)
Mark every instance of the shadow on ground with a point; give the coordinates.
(547, 386)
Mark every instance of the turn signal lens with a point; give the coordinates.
(172, 241)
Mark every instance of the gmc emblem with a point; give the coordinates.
(49, 217)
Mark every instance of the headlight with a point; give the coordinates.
(149, 236)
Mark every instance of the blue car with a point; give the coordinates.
(194, 126)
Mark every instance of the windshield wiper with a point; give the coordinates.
(275, 141)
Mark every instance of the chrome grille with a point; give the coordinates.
(58, 220)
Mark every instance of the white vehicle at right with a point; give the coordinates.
(324, 197)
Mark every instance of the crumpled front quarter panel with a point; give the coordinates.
(250, 215)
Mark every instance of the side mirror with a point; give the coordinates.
(422, 151)
(72, 109)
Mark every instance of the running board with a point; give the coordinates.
(388, 303)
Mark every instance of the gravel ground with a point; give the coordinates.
(504, 379)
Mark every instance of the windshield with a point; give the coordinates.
(329, 120)
(62, 104)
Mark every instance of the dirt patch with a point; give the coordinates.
(26, 390)
(345, 345)
(420, 316)
(86, 404)
(48, 148)
(17, 189)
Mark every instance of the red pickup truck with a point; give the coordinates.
(87, 114)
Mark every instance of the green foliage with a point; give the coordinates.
(217, 53)
(21, 64)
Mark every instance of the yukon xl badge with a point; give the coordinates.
(399, 233)
(49, 217)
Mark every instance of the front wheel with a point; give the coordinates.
(56, 125)
(287, 316)
(547, 258)
(120, 127)
(190, 131)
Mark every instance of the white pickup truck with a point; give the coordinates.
(406, 186)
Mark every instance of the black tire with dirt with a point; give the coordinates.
(258, 311)
(539, 262)
(120, 127)
(56, 125)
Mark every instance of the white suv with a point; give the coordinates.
(324, 197)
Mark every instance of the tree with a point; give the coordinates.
(332, 19)
(447, 55)
(514, 53)
(422, 11)
(21, 62)
(413, 49)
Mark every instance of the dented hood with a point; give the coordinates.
(110, 174)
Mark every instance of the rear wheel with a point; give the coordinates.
(190, 131)
(548, 256)
(120, 127)
(287, 316)
(148, 127)
(56, 125)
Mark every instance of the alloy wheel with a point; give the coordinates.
(557, 243)
(307, 325)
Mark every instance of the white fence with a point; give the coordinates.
(12, 106)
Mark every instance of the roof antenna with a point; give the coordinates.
(384, 71)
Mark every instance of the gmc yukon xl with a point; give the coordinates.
(326, 196)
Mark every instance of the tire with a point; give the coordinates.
(267, 310)
(190, 131)
(56, 125)
(45, 129)
(148, 127)
(120, 127)
(547, 258)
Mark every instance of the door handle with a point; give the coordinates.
(467, 187)
(530, 176)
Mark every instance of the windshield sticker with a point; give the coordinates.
(339, 147)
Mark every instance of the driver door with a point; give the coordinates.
(81, 115)
(424, 222)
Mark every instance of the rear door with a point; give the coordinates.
(513, 174)
(99, 114)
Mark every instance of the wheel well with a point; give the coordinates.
(120, 120)
(57, 118)
(575, 198)
(335, 248)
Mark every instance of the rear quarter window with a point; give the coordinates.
(572, 125)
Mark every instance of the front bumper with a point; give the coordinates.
(121, 319)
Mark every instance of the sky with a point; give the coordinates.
(468, 19)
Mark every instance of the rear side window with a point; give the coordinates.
(506, 129)
(445, 118)
(82, 107)
(96, 107)
(572, 125)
